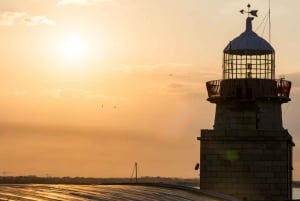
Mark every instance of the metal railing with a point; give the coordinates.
(213, 88)
(283, 88)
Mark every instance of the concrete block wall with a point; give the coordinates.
(259, 115)
(249, 165)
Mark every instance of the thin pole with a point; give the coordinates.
(136, 172)
(269, 21)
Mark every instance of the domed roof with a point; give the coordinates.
(249, 43)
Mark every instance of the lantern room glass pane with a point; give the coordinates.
(248, 66)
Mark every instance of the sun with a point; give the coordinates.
(74, 48)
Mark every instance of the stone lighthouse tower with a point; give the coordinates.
(248, 153)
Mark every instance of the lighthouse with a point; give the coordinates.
(248, 153)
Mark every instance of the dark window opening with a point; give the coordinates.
(249, 93)
(239, 92)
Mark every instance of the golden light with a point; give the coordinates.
(74, 48)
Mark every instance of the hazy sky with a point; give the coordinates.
(88, 87)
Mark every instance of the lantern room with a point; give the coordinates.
(249, 56)
(248, 69)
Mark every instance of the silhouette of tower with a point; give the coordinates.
(248, 153)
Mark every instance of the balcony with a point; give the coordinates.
(213, 88)
(249, 88)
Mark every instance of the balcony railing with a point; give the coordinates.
(213, 88)
(282, 88)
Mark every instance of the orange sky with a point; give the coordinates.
(88, 87)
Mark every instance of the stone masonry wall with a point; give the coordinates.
(253, 166)
(261, 115)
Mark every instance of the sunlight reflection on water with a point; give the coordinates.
(94, 192)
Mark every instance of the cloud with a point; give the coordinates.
(189, 90)
(80, 2)
(79, 94)
(9, 18)
(176, 86)
(295, 78)
(37, 20)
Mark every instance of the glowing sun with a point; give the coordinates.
(74, 48)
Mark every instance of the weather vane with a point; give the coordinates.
(250, 12)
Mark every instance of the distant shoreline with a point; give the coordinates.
(95, 181)
(192, 182)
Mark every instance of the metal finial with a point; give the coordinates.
(249, 12)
